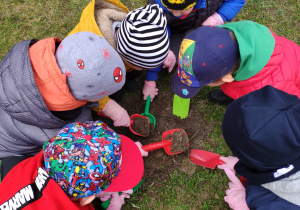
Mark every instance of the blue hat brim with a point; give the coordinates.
(181, 89)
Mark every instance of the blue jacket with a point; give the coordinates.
(227, 11)
(152, 75)
(260, 198)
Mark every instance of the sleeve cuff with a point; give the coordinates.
(152, 75)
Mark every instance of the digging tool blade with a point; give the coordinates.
(181, 106)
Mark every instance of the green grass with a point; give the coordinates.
(205, 189)
(35, 19)
(179, 192)
(281, 16)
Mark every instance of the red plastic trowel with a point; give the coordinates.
(206, 159)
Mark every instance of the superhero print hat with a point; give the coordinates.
(93, 68)
(87, 158)
(205, 56)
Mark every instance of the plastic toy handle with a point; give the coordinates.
(147, 106)
(220, 162)
(101, 114)
(154, 146)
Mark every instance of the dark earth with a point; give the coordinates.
(141, 126)
(158, 164)
(180, 141)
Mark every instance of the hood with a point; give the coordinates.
(90, 13)
(106, 14)
(98, 17)
(256, 45)
(52, 83)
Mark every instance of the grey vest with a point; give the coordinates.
(26, 123)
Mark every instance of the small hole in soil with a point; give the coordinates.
(179, 141)
(141, 126)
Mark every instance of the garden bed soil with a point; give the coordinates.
(141, 126)
(180, 141)
(158, 164)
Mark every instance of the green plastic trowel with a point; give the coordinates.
(150, 116)
(181, 106)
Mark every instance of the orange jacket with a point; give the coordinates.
(51, 82)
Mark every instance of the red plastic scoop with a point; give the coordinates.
(206, 159)
(166, 138)
(132, 117)
(165, 143)
(155, 146)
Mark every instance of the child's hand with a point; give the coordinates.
(117, 201)
(143, 152)
(213, 20)
(104, 196)
(229, 162)
(117, 113)
(236, 194)
(150, 89)
(124, 119)
(170, 61)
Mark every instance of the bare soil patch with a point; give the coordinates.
(180, 141)
(159, 165)
(141, 126)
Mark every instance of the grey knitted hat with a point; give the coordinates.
(93, 68)
(143, 37)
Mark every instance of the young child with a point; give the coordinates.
(185, 16)
(140, 37)
(58, 83)
(262, 129)
(84, 161)
(240, 57)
